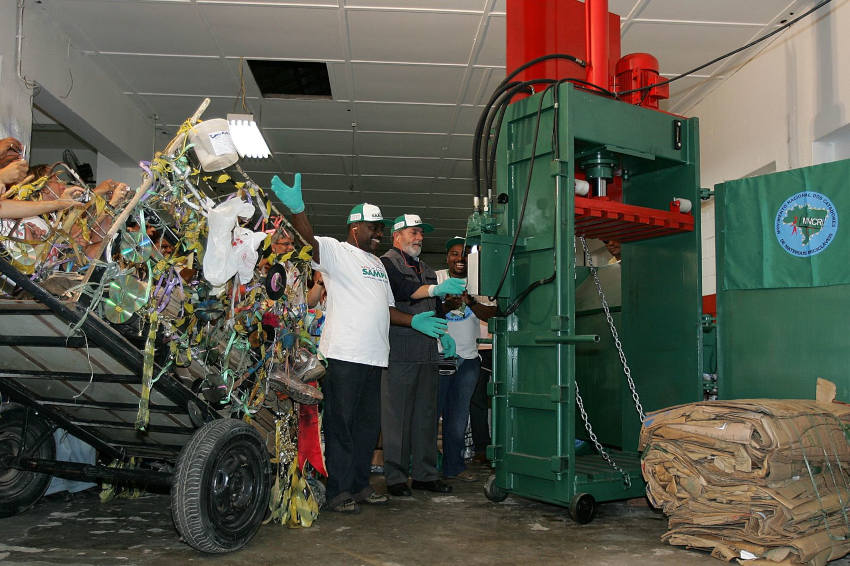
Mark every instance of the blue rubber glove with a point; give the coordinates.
(289, 196)
(449, 347)
(428, 324)
(451, 286)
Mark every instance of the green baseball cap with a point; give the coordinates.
(455, 240)
(410, 221)
(366, 212)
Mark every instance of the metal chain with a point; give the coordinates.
(594, 271)
(605, 456)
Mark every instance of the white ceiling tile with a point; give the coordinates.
(460, 146)
(412, 36)
(493, 45)
(333, 164)
(403, 117)
(407, 83)
(280, 32)
(420, 4)
(398, 144)
(293, 113)
(467, 119)
(416, 166)
(751, 11)
(308, 141)
(622, 7)
(396, 183)
(682, 47)
(482, 83)
(175, 75)
(174, 110)
(135, 27)
(499, 6)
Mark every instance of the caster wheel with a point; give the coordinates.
(493, 492)
(583, 508)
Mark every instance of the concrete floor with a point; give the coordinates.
(461, 528)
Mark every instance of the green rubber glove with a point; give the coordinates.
(428, 324)
(449, 347)
(451, 286)
(289, 196)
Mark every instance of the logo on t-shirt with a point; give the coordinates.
(374, 273)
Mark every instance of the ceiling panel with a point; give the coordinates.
(460, 188)
(462, 168)
(416, 166)
(623, 7)
(376, 116)
(412, 35)
(492, 50)
(174, 110)
(394, 183)
(468, 118)
(752, 11)
(460, 146)
(400, 144)
(309, 141)
(681, 47)
(453, 5)
(134, 27)
(292, 113)
(407, 83)
(202, 76)
(332, 164)
(482, 85)
(279, 32)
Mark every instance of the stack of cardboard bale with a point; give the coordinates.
(767, 480)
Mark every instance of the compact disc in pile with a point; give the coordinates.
(126, 295)
(137, 247)
(276, 281)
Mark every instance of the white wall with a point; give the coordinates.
(108, 169)
(777, 109)
(15, 102)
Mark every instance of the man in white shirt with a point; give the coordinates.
(360, 307)
(465, 314)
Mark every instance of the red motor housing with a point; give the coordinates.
(639, 70)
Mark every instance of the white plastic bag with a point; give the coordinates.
(231, 249)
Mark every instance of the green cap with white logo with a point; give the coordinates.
(410, 221)
(366, 213)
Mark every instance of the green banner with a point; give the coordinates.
(785, 229)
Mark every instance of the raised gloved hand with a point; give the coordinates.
(428, 324)
(451, 286)
(289, 196)
(448, 344)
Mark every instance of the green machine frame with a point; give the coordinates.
(540, 447)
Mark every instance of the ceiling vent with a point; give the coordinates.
(291, 79)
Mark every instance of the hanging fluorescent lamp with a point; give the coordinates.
(247, 137)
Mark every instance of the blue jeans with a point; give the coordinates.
(455, 393)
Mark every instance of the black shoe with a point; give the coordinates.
(434, 485)
(399, 490)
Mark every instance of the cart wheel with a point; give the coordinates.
(493, 492)
(583, 508)
(19, 490)
(221, 486)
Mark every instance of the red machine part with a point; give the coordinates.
(608, 220)
(639, 70)
(541, 27)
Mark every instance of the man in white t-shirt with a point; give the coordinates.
(464, 314)
(355, 341)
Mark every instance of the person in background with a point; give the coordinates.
(464, 314)
(613, 247)
(410, 384)
(13, 166)
(355, 342)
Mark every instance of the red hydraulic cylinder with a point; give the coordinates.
(596, 18)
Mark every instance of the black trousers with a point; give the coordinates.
(352, 420)
(479, 404)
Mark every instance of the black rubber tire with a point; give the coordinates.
(21, 490)
(583, 508)
(221, 486)
(493, 492)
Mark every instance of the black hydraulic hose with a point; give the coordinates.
(504, 85)
(527, 191)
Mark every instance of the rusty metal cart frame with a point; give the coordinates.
(218, 469)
